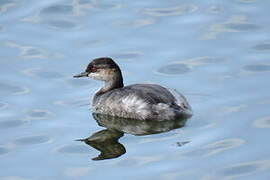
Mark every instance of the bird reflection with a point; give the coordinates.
(106, 141)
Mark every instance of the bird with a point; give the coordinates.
(136, 101)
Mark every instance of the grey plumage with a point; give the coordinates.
(137, 101)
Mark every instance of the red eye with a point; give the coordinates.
(94, 69)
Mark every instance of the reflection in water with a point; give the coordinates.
(106, 141)
(137, 127)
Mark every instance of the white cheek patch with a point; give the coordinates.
(102, 75)
(96, 76)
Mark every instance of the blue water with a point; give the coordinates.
(215, 52)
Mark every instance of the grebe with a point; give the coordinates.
(137, 101)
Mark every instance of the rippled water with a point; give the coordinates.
(215, 52)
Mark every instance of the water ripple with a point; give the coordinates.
(238, 170)
(173, 69)
(236, 23)
(216, 147)
(6, 4)
(231, 109)
(76, 102)
(186, 65)
(10, 89)
(257, 68)
(262, 47)
(28, 52)
(60, 23)
(80, 6)
(39, 72)
(3, 150)
(32, 140)
(77, 82)
(3, 105)
(15, 178)
(262, 122)
(242, 26)
(135, 23)
(38, 114)
(246, 1)
(57, 9)
(170, 11)
(11, 124)
(214, 9)
(126, 55)
(76, 172)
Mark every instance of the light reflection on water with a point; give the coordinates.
(215, 53)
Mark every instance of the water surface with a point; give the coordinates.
(215, 52)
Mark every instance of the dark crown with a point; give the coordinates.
(103, 62)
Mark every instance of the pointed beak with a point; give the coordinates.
(83, 74)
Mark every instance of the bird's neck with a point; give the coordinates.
(114, 83)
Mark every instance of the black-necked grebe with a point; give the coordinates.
(137, 101)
